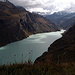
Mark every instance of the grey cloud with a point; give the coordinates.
(50, 5)
(71, 8)
(30, 4)
(27, 3)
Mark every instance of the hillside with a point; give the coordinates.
(16, 23)
(64, 18)
(68, 23)
(53, 17)
(62, 50)
(59, 60)
(60, 18)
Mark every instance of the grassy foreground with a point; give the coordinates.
(38, 69)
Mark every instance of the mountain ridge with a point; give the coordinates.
(59, 19)
(16, 23)
(68, 23)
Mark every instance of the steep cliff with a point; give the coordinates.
(16, 23)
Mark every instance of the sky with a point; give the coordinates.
(46, 6)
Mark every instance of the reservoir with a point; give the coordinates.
(29, 48)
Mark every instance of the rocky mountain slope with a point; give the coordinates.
(68, 23)
(53, 17)
(62, 50)
(16, 23)
(60, 18)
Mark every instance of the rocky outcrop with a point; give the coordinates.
(16, 23)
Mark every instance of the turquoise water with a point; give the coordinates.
(29, 48)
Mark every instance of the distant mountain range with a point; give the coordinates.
(56, 15)
(16, 23)
(61, 19)
(67, 23)
(62, 50)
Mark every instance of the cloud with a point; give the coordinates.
(71, 8)
(46, 6)
(27, 3)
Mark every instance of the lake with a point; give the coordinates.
(29, 48)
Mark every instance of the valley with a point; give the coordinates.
(33, 44)
(21, 23)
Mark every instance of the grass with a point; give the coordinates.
(38, 69)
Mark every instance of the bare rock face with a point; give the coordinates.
(16, 23)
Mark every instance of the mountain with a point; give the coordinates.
(16, 23)
(68, 23)
(60, 17)
(64, 18)
(62, 50)
(53, 17)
